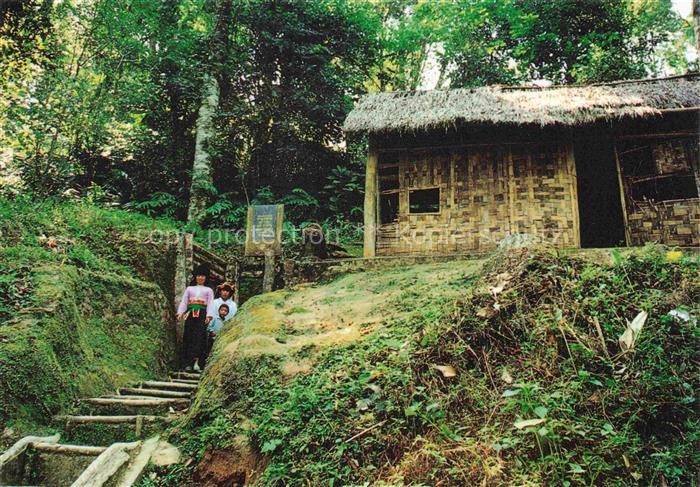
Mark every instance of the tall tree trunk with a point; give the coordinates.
(202, 181)
(696, 24)
(202, 178)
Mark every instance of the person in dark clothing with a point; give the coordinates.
(196, 309)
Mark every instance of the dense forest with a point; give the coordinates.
(127, 124)
(191, 109)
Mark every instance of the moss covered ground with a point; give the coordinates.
(84, 306)
(507, 371)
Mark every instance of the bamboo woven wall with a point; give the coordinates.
(486, 193)
(663, 217)
(667, 222)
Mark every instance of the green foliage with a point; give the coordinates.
(72, 304)
(102, 95)
(536, 398)
(160, 204)
(344, 191)
(480, 42)
(170, 476)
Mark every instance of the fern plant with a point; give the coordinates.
(159, 204)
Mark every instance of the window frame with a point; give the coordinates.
(439, 201)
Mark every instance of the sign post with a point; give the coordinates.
(264, 237)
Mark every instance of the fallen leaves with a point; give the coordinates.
(502, 281)
(506, 377)
(527, 423)
(447, 371)
(632, 332)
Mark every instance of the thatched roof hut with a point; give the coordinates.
(567, 106)
(474, 169)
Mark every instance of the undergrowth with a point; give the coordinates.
(85, 293)
(520, 381)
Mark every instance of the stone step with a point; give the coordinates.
(178, 386)
(153, 392)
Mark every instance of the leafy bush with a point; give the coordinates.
(160, 204)
(344, 190)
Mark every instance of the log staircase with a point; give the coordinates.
(109, 441)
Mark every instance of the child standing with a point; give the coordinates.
(216, 324)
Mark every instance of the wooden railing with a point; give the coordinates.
(217, 265)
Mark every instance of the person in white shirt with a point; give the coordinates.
(225, 297)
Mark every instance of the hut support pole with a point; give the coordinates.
(573, 192)
(371, 196)
(623, 199)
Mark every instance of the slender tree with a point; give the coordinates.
(202, 184)
(696, 23)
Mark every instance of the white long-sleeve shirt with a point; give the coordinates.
(232, 307)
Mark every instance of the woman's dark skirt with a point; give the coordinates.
(195, 338)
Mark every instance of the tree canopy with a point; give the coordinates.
(103, 96)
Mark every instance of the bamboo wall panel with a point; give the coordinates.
(658, 218)
(671, 157)
(486, 193)
(543, 194)
(481, 207)
(675, 223)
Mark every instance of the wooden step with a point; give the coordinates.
(137, 397)
(187, 375)
(184, 381)
(139, 463)
(133, 401)
(105, 469)
(133, 405)
(153, 392)
(154, 384)
(131, 419)
(69, 449)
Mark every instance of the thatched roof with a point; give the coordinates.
(574, 105)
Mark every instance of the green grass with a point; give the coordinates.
(297, 309)
(84, 305)
(538, 397)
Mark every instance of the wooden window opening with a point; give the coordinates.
(660, 170)
(422, 201)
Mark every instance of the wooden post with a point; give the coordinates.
(371, 196)
(573, 191)
(269, 275)
(233, 273)
(623, 198)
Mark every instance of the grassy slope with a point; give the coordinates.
(299, 375)
(81, 310)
